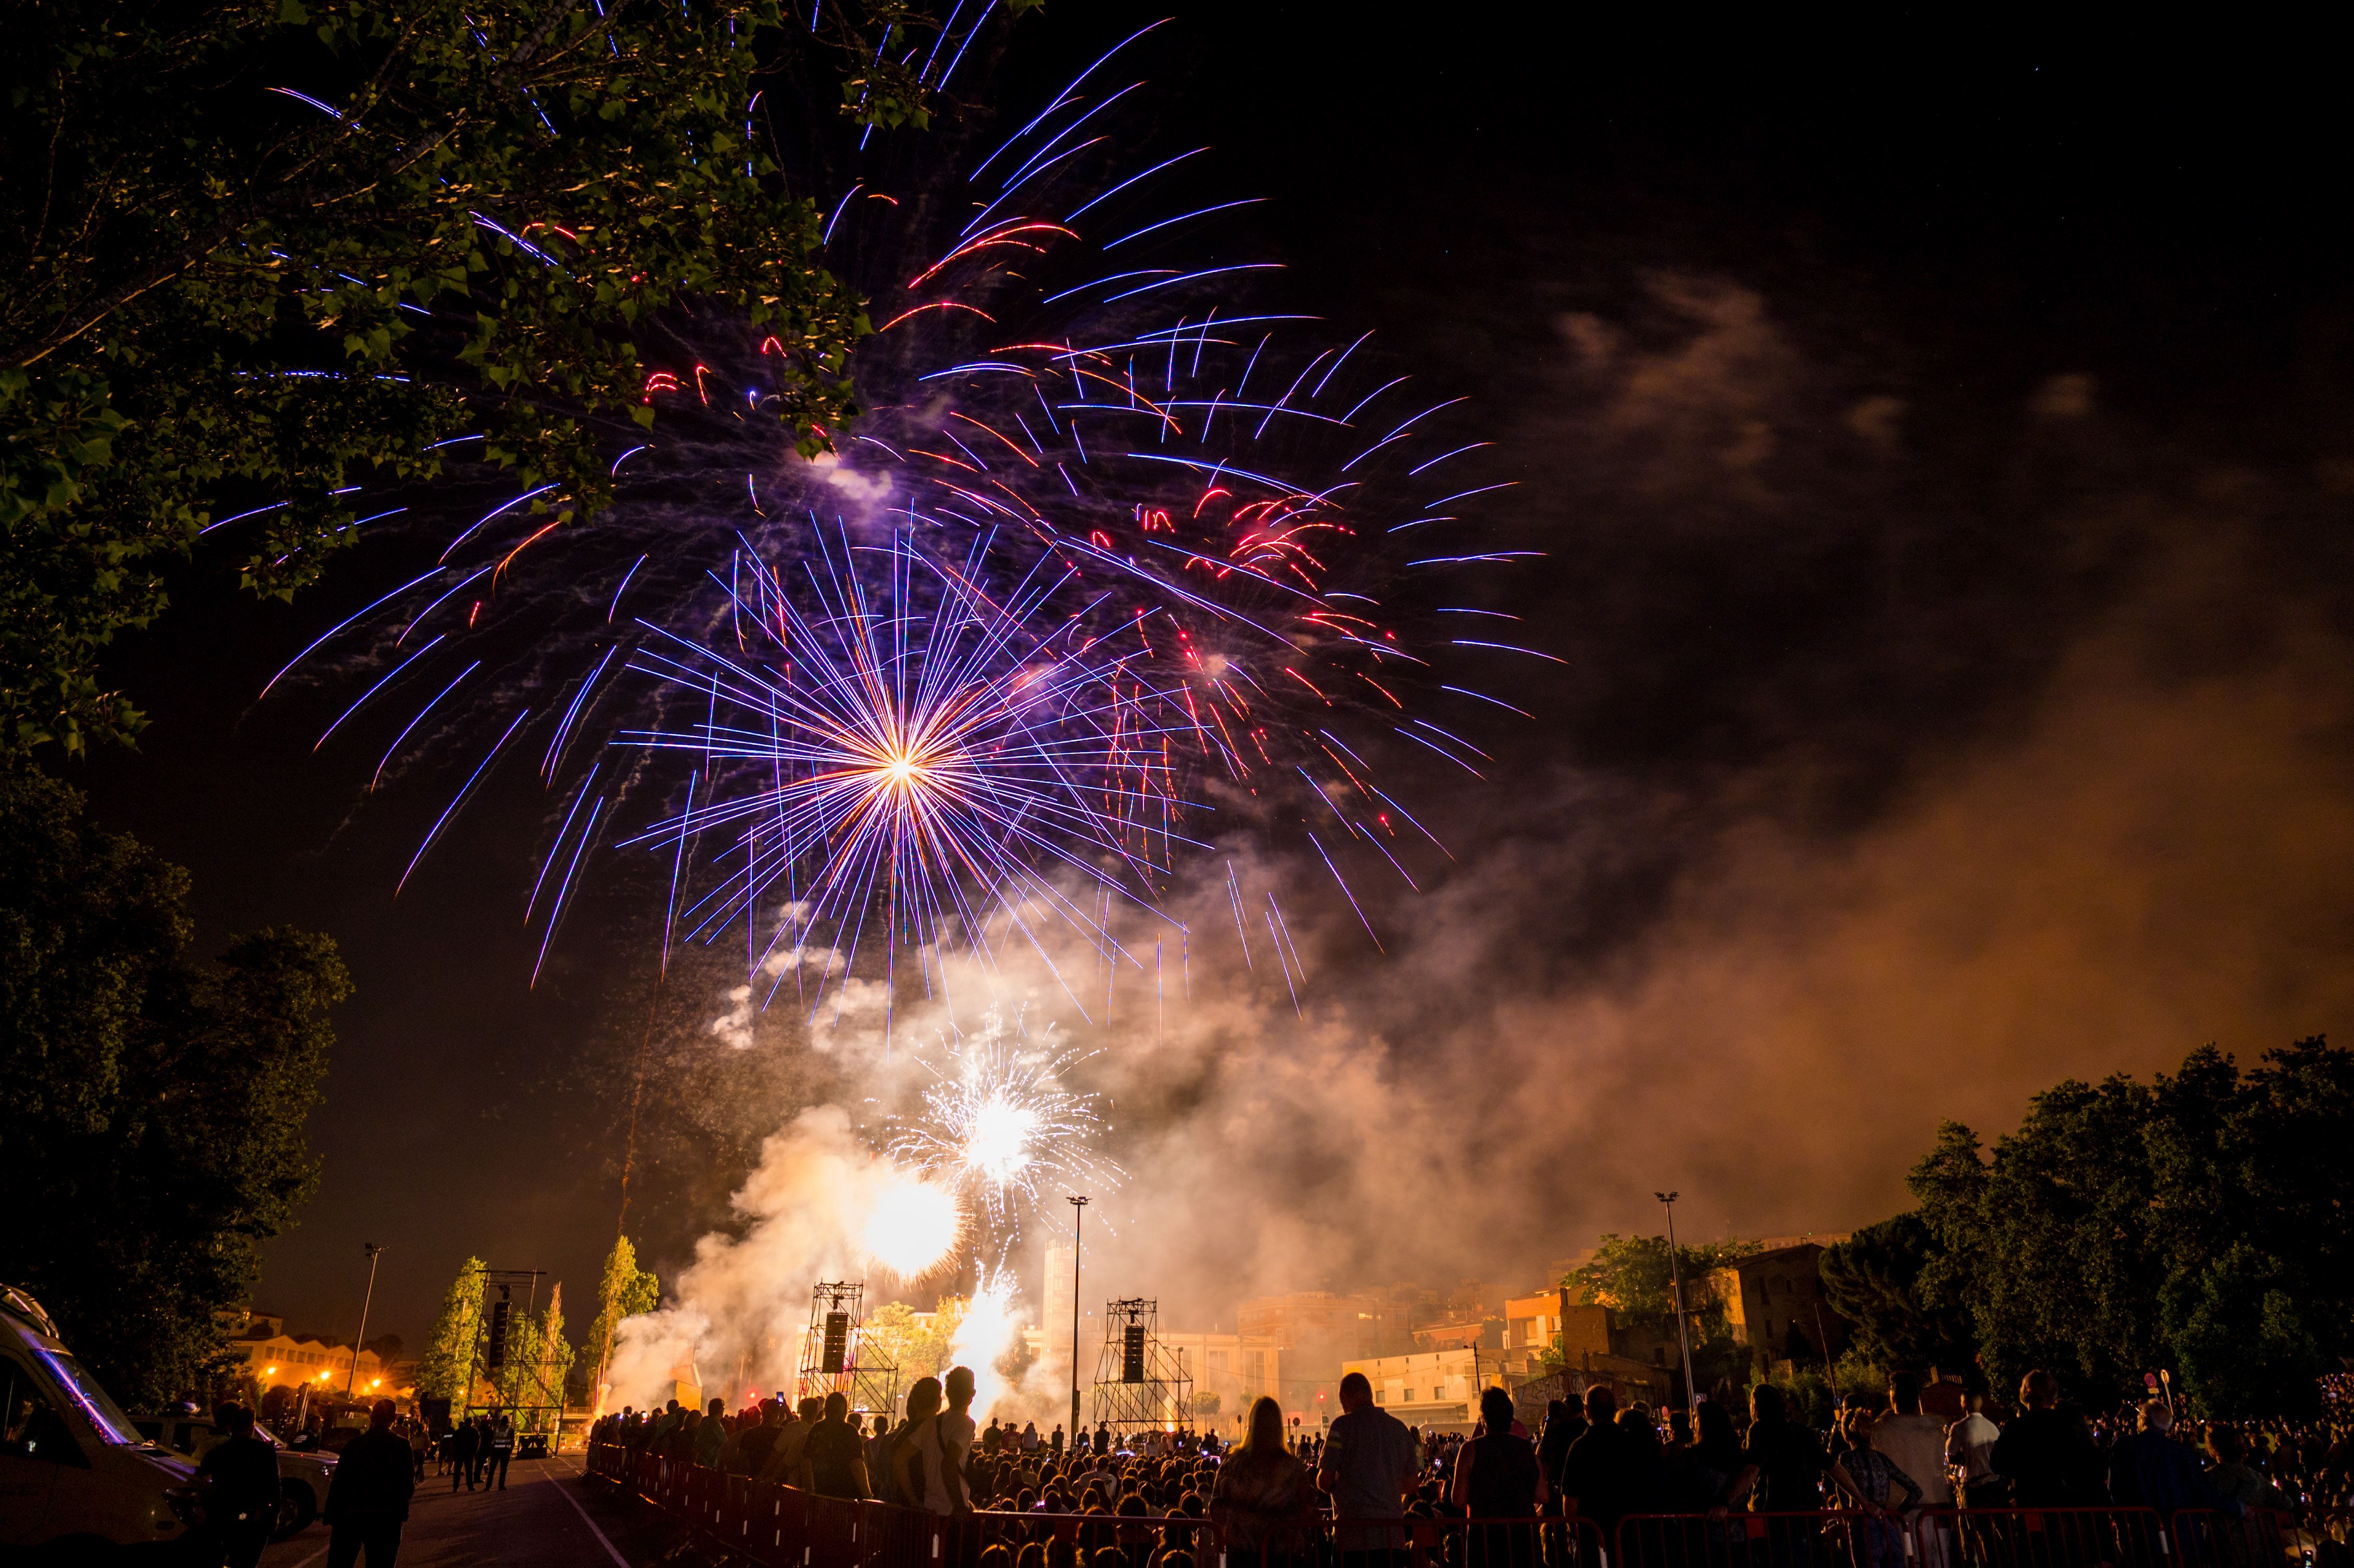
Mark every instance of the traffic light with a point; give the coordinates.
(837, 1343)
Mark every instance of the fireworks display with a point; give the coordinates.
(1101, 576)
(913, 1227)
(1000, 1128)
(922, 749)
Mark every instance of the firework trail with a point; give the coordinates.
(998, 1125)
(1105, 572)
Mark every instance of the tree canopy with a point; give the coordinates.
(261, 253)
(1874, 1281)
(1632, 1276)
(446, 1369)
(624, 1290)
(152, 1108)
(2195, 1224)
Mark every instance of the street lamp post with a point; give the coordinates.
(373, 1251)
(1676, 1274)
(1079, 1215)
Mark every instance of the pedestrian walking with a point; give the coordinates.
(367, 1502)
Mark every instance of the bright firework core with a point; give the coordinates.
(999, 1123)
(997, 1140)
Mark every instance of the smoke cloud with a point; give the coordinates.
(1870, 798)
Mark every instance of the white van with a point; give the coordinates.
(74, 1474)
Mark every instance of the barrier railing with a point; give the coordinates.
(2038, 1537)
(1796, 1539)
(2208, 1537)
(788, 1527)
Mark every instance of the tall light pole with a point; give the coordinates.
(373, 1251)
(1079, 1215)
(1676, 1274)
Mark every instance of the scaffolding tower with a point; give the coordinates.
(1140, 1383)
(838, 1355)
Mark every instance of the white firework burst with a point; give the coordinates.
(1000, 1128)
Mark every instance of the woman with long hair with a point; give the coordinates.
(1265, 1500)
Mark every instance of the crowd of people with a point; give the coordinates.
(1590, 1459)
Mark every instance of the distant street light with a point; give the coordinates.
(1079, 1215)
(373, 1251)
(1676, 1274)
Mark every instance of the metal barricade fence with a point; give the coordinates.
(2038, 1538)
(2210, 1538)
(788, 1528)
(1796, 1539)
(785, 1527)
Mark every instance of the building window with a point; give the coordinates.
(1409, 1396)
(1381, 1397)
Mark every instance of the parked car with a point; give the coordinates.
(75, 1476)
(302, 1476)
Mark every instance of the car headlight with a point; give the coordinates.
(186, 1503)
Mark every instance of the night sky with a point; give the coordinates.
(1943, 459)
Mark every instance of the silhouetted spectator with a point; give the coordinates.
(498, 1447)
(711, 1437)
(1264, 1501)
(1564, 1424)
(1367, 1468)
(1914, 1442)
(2044, 1453)
(1969, 1448)
(1873, 1479)
(897, 1475)
(1497, 1477)
(833, 1460)
(367, 1502)
(464, 1444)
(1781, 1463)
(2151, 1470)
(1603, 1477)
(243, 1508)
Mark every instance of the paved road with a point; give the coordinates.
(550, 1516)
